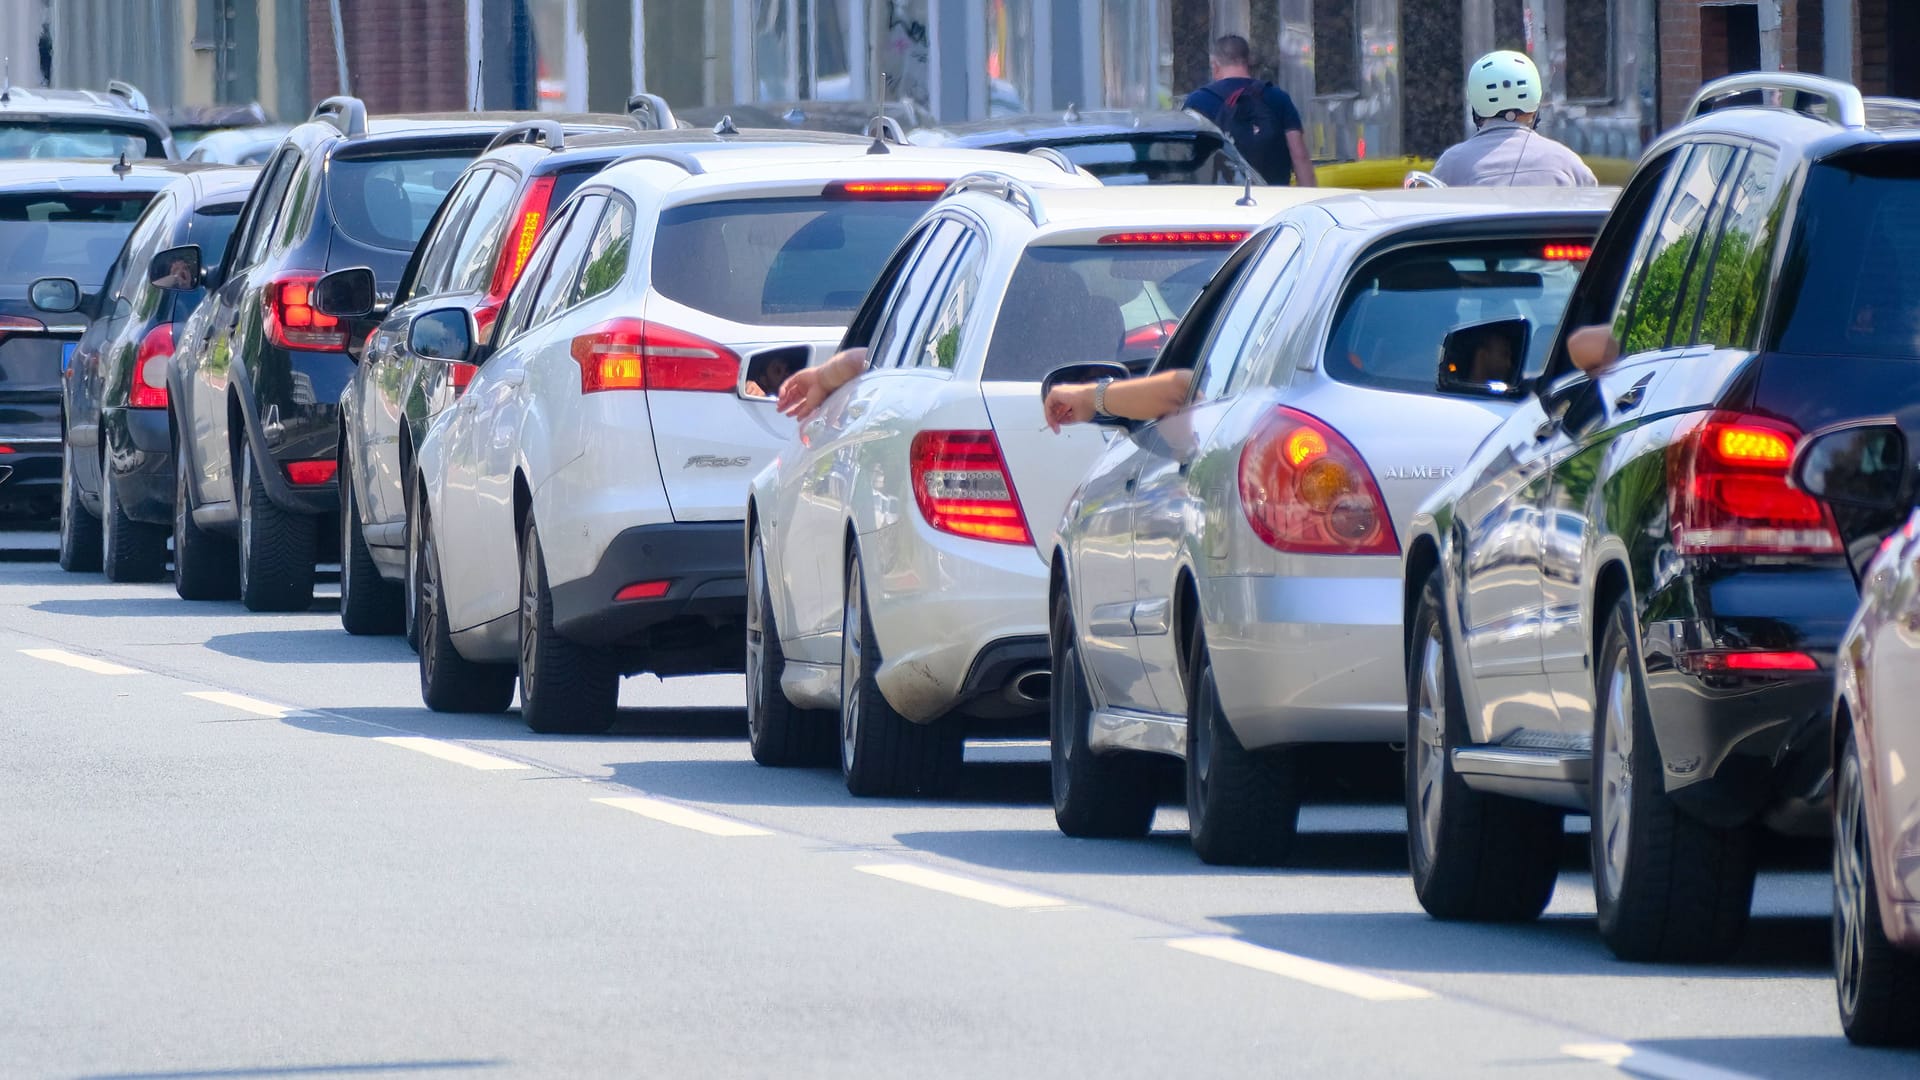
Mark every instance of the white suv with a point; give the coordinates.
(578, 512)
(896, 548)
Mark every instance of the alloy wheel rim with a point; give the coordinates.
(1616, 781)
(1200, 738)
(108, 533)
(529, 616)
(429, 585)
(1430, 749)
(246, 518)
(850, 669)
(1850, 891)
(347, 512)
(756, 643)
(412, 584)
(66, 498)
(180, 513)
(1063, 717)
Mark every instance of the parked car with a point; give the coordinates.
(194, 124)
(39, 123)
(119, 489)
(1225, 585)
(577, 516)
(239, 146)
(65, 218)
(1618, 605)
(914, 626)
(1117, 145)
(471, 256)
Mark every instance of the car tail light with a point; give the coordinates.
(961, 482)
(522, 231)
(311, 472)
(1188, 237)
(1728, 492)
(20, 324)
(1567, 252)
(149, 389)
(644, 590)
(1305, 489)
(292, 322)
(460, 376)
(885, 190)
(1723, 661)
(6, 449)
(633, 354)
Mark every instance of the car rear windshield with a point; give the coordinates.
(777, 262)
(64, 233)
(57, 139)
(1851, 281)
(1069, 305)
(1146, 160)
(1396, 315)
(386, 201)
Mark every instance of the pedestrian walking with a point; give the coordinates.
(1504, 90)
(1258, 116)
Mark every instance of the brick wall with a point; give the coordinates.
(1870, 45)
(402, 55)
(1679, 57)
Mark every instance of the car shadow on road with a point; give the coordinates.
(693, 723)
(171, 607)
(1785, 1058)
(1164, 852)
(341, 1069)
(327, 645)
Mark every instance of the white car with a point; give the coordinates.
(897, 548)
(576, 516)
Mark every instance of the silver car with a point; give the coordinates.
(1226, 580)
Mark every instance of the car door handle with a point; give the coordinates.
(1546, 429)
(512, 379)
(855, 410)
(1132, 482)
(1185, 466)
(1630, 400)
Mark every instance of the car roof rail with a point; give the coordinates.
(1053, 154)
(533, 133)
(672, 157)
(129, 93)
(1004, 187)
(343, 111)
(1849, 108)
(652, 112)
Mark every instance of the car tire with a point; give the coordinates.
(1243, 806)
(449, 682)
(79, 530)
(1474, 856)
(882, 752)
(1094, 795)
(205, 564)
(778, 732)
(369, 603)
(409, 588)
(1877, 985)
(129, 550)
(277, 547)
(566, 688)
(1667, 887)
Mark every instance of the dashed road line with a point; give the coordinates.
(243, 703)
(445, 751)
(970, 888)
(1635, 1061)
(1300, 969)
(674, 814)
(81, 661)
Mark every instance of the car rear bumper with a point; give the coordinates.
(140, 453)
(31, 472)
(697, 625)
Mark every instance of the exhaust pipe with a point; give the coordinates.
(1030, 687)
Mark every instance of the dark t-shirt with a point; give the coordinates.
(1210, 101)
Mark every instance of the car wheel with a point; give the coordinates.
(79, 530)
(565, 687)
(1474, 856)
(777, 732)
(369, 603)
(277, 547)
(1667, 887)
(1242, 806)
(449, 682)
(1110, 794)
(129, 550)
(205, 565)
(410, 588)
(1878, 986)
(882, 752)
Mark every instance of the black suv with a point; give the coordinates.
(118, 491)
(1620, 605)
(40, 123)
(1116, 145)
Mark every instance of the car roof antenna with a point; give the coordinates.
(121, 168)
(1246, 190)
(6, 79)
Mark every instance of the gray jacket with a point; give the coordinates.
(1506, 154)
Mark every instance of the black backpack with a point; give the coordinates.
(1251, 123)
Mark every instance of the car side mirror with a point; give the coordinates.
(177, 269)
(1485, 359)
(764, 372)
(1858, 464)
(346, 294)
(55, 295)
(1090, 371)
(444, 334)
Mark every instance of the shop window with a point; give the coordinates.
(1336, 47)
(1590, 63)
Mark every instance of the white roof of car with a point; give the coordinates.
(1167, 206)
(761, 164)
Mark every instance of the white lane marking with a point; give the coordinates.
(244, 704)
(674, 814)
(84, 663)
(955, 885)
(1301, 969)
(1635, 1061)
(459, 755)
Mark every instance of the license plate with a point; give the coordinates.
(66, 355)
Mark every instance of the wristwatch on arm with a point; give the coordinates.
(1100, 399)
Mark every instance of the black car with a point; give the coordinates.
(1116, 145)
(118, 494)
(66, 218)
(1620, 606)
(41, 123)
(191, 124)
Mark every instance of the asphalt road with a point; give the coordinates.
(235, 845)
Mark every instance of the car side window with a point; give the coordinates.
(866, 322)
(519, 303)
(474, 261)
(266, 207)
(437, 248)
(122, 280)
(1736, 274)
(904, 311)
(939, 344)
(1234, 334)
(607, 251)
(568, 255)
(1650, 305)
(1189, 342)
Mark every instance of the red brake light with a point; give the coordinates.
(1181, 236)
(633, 354)
(961, 484)
(7, 450)
(292, 322)
(311, 472)
(644, 590)
(1716, 661)
(1728, 493)
(1567, 252)
(460, 376)
(883, 190)
(522, 231)
(149, 389)
(1305, 489)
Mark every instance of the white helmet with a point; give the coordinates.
(1502, 81)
